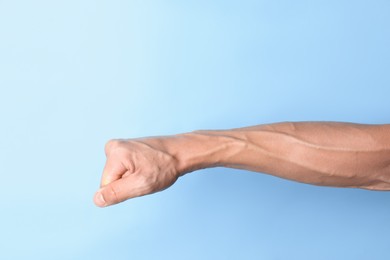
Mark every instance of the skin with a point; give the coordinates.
(318, 153)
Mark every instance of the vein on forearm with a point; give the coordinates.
(285, 155)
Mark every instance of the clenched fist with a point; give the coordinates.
(135, 167)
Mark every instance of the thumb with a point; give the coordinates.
(120, 190)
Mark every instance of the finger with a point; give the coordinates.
(120, 190)
(113, 170)
(109, 145)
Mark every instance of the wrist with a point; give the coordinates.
(200, 149)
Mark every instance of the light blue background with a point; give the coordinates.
(74, 74)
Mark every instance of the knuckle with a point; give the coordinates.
(111, 144)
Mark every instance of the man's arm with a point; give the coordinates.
(319, 153)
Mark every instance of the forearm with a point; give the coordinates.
(320, 153)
